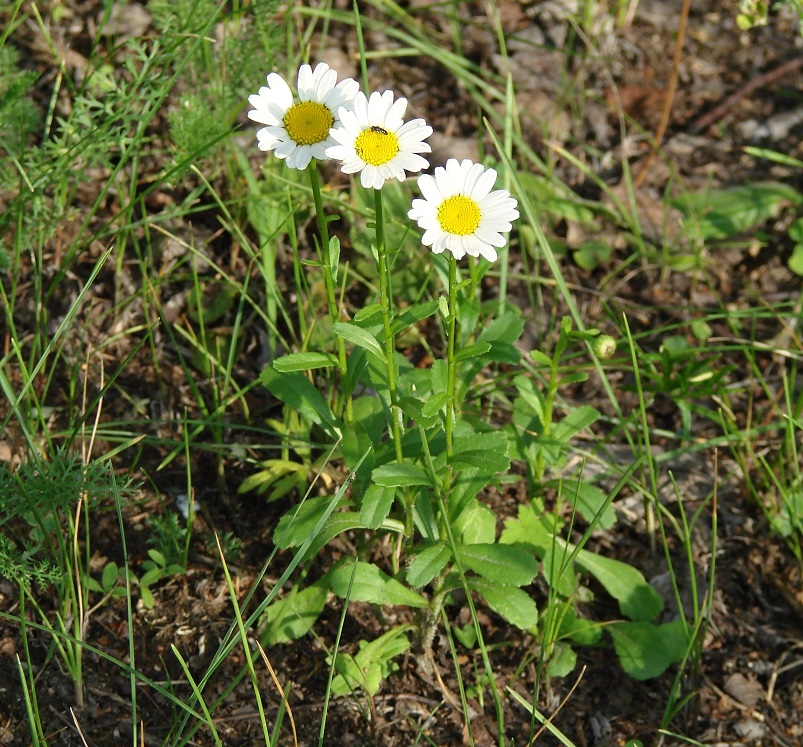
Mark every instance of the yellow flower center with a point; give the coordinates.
(308, 122)
(459, 215)
(376, 146)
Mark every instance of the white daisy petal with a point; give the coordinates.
(299, 125)
(460, 213)
(372, 138)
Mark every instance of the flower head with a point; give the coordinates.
(298, 130)
(374, 140)
(460, 213)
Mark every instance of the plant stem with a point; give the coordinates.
(549, 402)
(451, 370)
(385, 301)
(329, 282)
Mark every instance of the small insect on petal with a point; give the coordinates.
(380, 130)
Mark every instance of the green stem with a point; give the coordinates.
(451, 370)
(549, 403)
(383, 268)
(329, 283)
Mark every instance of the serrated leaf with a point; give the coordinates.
(371, 584)
(434, 404)
(504, 564)
(400, 475)
(476, 524)
(510, 602)
(647, 650)
(368, 312)
(360, 337)
(428, 564)
(472, 351)
(304, 361)
(376, 504)
(487, 451)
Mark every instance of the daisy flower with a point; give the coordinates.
(460, 213)
(374, 140)
(298, 130)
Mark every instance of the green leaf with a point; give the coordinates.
(152, 576)
(579, 630)
(504, 564)
(334, 257)
(486, 451)
(282, 474)
(563, 660)
(367, 313)
(412, 315)
(472, 351)
(292, 617)
(637, 599)
(360, 337)
(541, 358)
(592, 253)
(344, 521)
(297, 391)
(412, 407)
(300, 521)
(109, 576)
(577, 420)
(588, 499)
(646, 650)
(428, 564)
(434, 404)
(371, 664)
(400, 475)
(510, 602)
(157, 557)
(304, 361)
(720, 213)
(476, 524)
(507, 327)
(146, 596)
(376, 504)
(443, 306)
(373, 585)
(796, 260)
